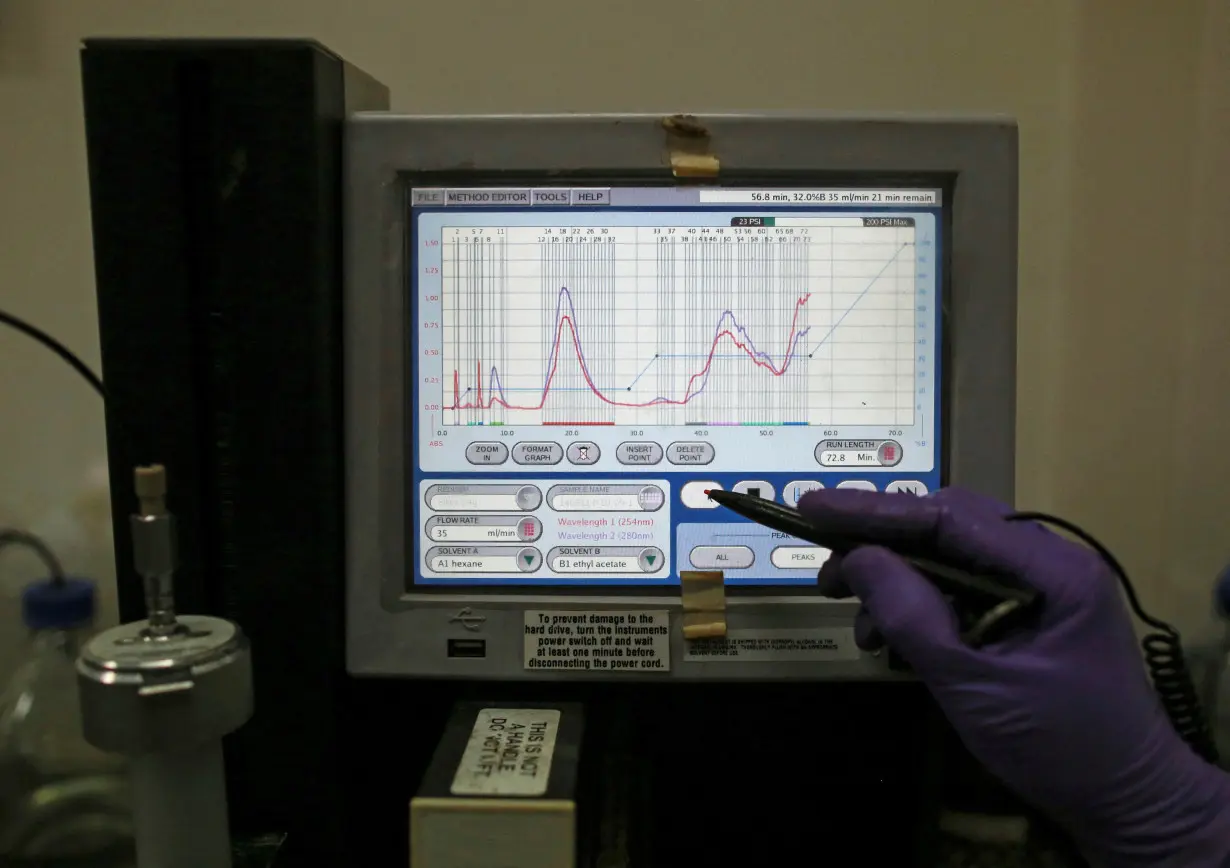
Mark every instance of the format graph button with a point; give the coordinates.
(492, 452)
(482, 528)
(694, 453)
(639, 452)
(598, 497)
(538, 453)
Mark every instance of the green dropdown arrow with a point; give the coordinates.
(651, 559)
(529, 559)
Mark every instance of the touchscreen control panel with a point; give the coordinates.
(586, 362)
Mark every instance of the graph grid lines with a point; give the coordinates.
(678, 326)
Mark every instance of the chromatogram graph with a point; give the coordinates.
(662, 326)
(727, 327)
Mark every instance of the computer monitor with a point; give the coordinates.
(555, 346)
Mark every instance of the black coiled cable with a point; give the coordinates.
(1163, 650)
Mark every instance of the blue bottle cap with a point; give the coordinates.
(49, 605)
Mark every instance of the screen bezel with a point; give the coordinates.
(393, 632)
(661, 178)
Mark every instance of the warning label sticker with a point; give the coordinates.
(598, 641)
(787, 645)
(509, 753)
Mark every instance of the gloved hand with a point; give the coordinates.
(1065, 715)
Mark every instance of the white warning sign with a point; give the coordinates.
(598, 641)
(778, 646)
(509, 753)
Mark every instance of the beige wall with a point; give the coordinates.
(1124, 107)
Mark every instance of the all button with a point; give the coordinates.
(722, 557)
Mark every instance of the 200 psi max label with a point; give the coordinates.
(636, 641)
(824, 644)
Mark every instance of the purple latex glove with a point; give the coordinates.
(1065, 715)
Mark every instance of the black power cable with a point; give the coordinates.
(1163, 649)
(12, 537)
(124, 443)
(58, 348)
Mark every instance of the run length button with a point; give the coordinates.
(641, 452)
(858, 453)
(690, 453)
(538, 453)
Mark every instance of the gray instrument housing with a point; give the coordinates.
(395, 632)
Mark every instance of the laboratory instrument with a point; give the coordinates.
(550, 369)
(163, 692)
(281, 401)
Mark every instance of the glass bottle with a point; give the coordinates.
(63, 803)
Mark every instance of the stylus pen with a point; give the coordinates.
(988, 603)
